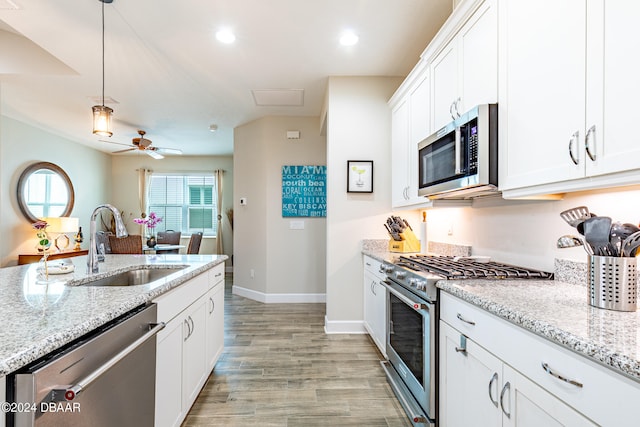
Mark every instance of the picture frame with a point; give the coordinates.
(359, 176)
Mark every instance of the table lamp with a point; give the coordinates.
(61, 226)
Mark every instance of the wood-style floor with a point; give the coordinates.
(279, 368)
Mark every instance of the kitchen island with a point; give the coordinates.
(37, 318)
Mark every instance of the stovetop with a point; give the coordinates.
(468, 268)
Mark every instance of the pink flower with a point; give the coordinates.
(150, 221)
(39, 225)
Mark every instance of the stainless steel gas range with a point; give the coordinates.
(413, 315)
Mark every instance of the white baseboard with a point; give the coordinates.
(344, 326)
(278, 298)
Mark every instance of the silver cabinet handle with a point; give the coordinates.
(560, 377)
(193, 326)
(463, 345)
(71, 392)
(494, 378)
(506, 388)
(373, 287)
(574, 139)
(591, 135)
(455, 104)
(213, 305)
(186, 322)
(451, 110)
(470, 322)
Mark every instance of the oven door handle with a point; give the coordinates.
(70, 393)
(417, 306)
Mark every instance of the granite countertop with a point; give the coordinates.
(37, 318)
(560, 312)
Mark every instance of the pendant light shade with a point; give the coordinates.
(102, 120)
(102, 113)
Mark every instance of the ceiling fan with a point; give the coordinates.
(144, 144)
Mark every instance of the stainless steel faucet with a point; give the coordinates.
(121, 231)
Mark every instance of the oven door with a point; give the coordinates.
(411, 343)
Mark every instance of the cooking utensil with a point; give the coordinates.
(568, 241)
(575, 216)
(596, 233)
(619, 232)
(630, 244)
(393, 234)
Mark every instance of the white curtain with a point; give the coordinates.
(219, 247)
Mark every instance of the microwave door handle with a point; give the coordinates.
(458, 149)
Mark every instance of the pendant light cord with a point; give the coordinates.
(102, 53)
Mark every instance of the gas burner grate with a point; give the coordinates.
(465, 268)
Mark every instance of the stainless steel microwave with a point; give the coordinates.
(461, 159)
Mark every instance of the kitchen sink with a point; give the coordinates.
(141, 276)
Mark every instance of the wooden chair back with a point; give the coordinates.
(132, 244)
(194, 243)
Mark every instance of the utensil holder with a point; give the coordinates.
(613, 282)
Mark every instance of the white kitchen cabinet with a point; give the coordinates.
(465, 73)
(190, 344)
(375, 303)
(566, 95)
(215, 325)
(477, 388)
(535, 394)
(400, 180)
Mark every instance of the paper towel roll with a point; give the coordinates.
(423, 237)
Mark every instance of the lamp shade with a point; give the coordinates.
(102, 120)
(62, 224)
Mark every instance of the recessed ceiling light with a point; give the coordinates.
(213, 128)
(225, 36)
(348, 38)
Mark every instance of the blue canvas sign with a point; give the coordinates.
(304, 191)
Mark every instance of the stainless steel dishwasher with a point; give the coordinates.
(106, 378)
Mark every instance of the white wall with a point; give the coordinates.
(358, 128)
(287, 265)
(525, 232)
(21, 145)
(125, 189)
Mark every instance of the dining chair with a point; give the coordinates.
(132, 244)
(168, 237)
(194, 243)
(102, 238)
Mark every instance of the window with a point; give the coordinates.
(46, 194)
(186, 203)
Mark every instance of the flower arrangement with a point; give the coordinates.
(44, 243)
(150, 221)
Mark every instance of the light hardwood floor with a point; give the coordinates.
(279, 368)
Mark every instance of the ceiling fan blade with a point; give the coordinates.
(123, 151)
(113, 142)
(168, 150)
(153, 154)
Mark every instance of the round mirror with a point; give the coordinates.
(45, 190)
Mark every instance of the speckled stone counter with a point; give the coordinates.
(559, 312)
(37, 318)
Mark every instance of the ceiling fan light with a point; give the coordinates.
(102, 120)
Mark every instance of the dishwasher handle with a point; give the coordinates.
(70, 393)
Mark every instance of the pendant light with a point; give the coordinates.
(102, 113)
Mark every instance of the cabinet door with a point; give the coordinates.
(529, 405)
(215, 325)
(478, 58)
(193, 351)
(469, 382)
(444, 86)
(399, 154)
(542, 102)
(613, 86)
(169, 375)
(380, 314)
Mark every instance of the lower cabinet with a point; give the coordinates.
(494, 373)
(479, 389)
(190, 345)
(375, 304)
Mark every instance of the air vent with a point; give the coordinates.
(278, 97)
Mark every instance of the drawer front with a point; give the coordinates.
(601, 388)
(176, 300)
(216, 275)
(373, 266)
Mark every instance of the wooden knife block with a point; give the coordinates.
(409, 243)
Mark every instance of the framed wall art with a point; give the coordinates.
(359, 176)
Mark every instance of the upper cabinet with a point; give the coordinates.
(465, 73)
(565, 95)
(458, 70)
